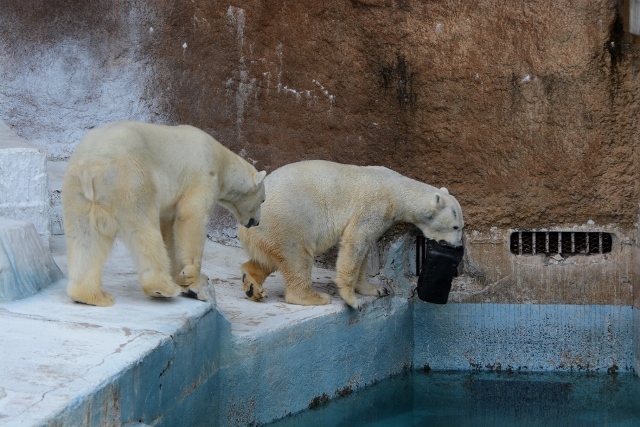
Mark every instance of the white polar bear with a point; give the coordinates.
(154, 186)
(313, 205)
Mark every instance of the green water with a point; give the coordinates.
(483, 399)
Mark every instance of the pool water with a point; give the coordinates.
(483, 399)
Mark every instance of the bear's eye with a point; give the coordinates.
(455, 227)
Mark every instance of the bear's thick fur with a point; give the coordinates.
(154, 186)
(313, 205)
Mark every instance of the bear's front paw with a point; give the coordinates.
(372, 290)
(197, 291)
(188, 277)
(353, 302)
(254, 291)
(383, 291)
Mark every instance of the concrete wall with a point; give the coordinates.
(23, 182)
(524, 337)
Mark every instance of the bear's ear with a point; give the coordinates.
(437, 201)
(444, 190)
(257, 178)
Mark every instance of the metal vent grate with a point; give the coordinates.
(560, 242)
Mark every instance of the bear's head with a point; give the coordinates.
(245, 201)
(442, 219)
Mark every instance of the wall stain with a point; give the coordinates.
(344, 392)
(399, 77)
(616, 45)
(319, 401)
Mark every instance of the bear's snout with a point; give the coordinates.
(250, 291)
(252, 222)
(447, 245)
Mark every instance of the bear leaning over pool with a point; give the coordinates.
(313, 205)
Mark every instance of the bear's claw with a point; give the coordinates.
(190, 293)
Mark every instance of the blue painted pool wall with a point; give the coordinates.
(190, 392)
(266, 377)
(524, 337)
(203, 375)
(636, 340)
(158, 387)
(286, 372)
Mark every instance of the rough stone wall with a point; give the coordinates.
(68, 66)
(526, 111)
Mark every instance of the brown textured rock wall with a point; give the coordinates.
(524, 111)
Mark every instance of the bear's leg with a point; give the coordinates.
(349, 268)
(253, 276)
(363, 287)
(87, 251)
(166, 228)
(189, 235)
(142, 236)
(297, 279)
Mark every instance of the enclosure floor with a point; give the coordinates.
(55, 352)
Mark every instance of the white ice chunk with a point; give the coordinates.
(26, 264)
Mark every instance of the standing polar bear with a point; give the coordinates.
(313, 205)
(154, 186)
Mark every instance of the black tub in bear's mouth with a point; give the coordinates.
(440, 265)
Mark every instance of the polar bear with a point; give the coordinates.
(313, 205)
(154, 186)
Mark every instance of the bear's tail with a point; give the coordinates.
(101, 218)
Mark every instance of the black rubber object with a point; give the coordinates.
(441, 264)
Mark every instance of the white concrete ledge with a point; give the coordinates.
(23, 181)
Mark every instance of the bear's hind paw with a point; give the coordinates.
(161, 290)
(255, 292)
(307, 298)
(102, 299)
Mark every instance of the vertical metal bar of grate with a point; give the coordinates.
(600, 243)
(533, 243)
(587, 243)
(520, 242)
(573, 242)
(546, 244)
(559, 243)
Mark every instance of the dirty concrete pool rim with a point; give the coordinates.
(256, 381)
(293, 369)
